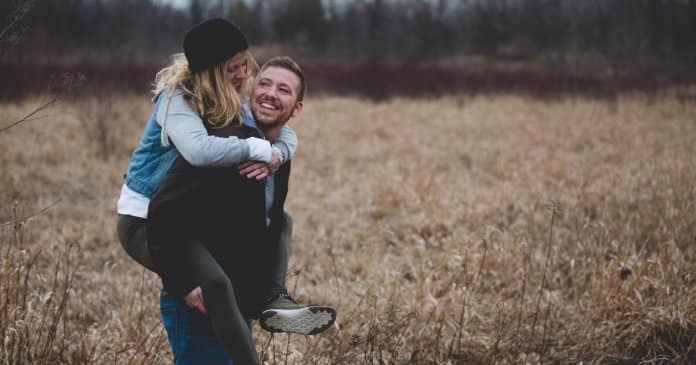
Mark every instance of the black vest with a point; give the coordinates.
(225, 211)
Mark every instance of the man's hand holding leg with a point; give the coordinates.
(194, 299)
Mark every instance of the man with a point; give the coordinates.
(277, 97)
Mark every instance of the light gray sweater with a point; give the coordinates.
(184, 127)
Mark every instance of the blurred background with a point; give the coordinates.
(373, 47)
(477, 182)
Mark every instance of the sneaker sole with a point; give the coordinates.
(305, 321)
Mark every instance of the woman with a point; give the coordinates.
(175, 128)
(203, 84)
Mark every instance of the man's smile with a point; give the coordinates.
(269, 106)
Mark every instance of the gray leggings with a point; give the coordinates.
(133, 237)
(218, 291)
(221, 304)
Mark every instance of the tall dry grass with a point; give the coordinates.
(461, 230)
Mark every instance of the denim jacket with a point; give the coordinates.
(155, 154)
(150, 161)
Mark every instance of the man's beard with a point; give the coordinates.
(277, 122)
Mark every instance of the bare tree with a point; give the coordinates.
(149, 30)
(17, 10)
(10, 34)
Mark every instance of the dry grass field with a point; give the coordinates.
(461, 230)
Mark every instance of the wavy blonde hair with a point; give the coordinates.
(209, 91)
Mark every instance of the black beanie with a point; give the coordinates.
(212, 42)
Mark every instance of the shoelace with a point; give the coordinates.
(282, 294)
(287, 296)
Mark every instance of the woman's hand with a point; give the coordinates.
(194, 299)
(254, 169)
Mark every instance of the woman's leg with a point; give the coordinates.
(133, 237)
(221, 305)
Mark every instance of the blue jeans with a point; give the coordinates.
(190, 334)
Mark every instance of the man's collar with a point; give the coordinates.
(249, 120)
(248, 117)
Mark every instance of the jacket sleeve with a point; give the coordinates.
(286, 142)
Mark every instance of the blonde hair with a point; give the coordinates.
(209, 91)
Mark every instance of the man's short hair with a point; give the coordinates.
(290, 65)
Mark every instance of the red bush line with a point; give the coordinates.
(379, 79)
(19, 80)
(373, 79)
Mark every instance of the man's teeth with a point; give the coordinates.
(268, 106)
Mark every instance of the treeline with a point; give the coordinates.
(75, 31)
(623, 31)
(376, 48)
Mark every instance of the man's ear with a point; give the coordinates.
(297, 109)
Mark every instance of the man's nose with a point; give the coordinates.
(272, 91)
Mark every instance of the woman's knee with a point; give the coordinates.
(216, 282)
(123, 229)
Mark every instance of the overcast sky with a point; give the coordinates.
(185, 3)
(177, 3)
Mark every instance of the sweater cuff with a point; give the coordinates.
(259, 149)
(280, 152)
(283, 148)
